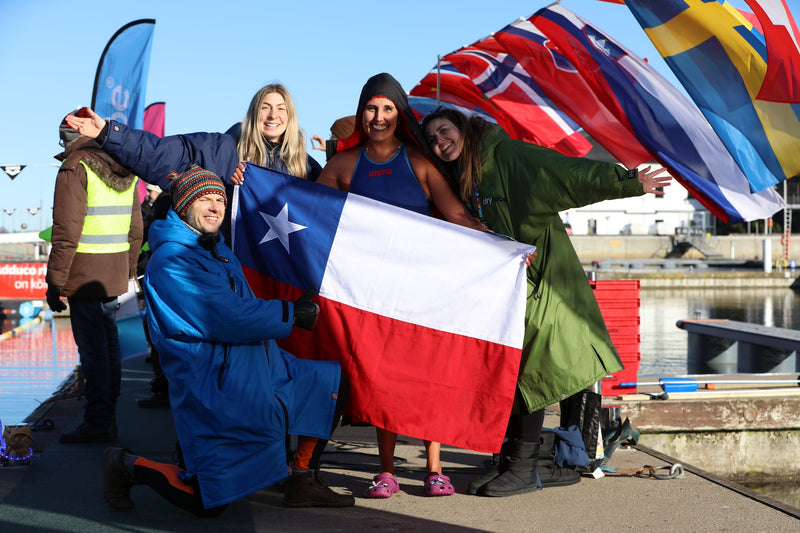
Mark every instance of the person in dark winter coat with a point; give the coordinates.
(517, 189)
(235, 395)
(96, 236)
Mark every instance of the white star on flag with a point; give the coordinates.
(280, 227)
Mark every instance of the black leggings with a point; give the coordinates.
(526, 427)
(163, 479)
(342, 398)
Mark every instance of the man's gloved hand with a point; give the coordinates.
(54, 299)
(305, 311)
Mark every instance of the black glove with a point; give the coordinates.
(54, 299)
(305, 311)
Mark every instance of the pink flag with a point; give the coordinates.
(154, 116)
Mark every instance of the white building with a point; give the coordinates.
(642, 215)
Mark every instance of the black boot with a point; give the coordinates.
(520, 476)
(550, 474)
(117, 482)
(307, 490)
(497, 466)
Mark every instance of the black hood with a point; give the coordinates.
(385, 85)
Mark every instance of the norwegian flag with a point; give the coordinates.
(482, 77)
(455, 89)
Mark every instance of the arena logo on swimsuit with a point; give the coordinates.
(381, 172)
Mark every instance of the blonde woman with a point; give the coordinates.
(270, 136)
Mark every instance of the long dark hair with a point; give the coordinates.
(468, 163)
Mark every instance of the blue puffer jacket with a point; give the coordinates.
(234, 393)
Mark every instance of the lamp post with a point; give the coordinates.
(32, 211)
(10, 212)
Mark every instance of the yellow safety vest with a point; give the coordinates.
(108, 217)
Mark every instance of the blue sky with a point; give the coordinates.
(209, 58)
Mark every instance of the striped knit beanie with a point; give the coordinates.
(191, 185)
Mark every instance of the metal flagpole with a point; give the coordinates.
(438, 75)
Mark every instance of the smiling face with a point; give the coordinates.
(206, 213)
(444, 138)
(273, 117)
(379, 119)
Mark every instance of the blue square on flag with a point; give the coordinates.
(287, 227)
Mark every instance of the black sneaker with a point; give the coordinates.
(117, 481)
(307, 490)
(86, 433)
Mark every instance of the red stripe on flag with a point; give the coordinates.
(410, 379)
(782, 80)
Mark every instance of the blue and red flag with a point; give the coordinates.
(510, 88)
(431, 346)
(660, 118)
(452, 87)
(565, 85)
(121, 79)
(721, 61)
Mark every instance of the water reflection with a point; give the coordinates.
(30, 368)
(787, 492)
(664, 345)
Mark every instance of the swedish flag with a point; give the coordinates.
(721, 60)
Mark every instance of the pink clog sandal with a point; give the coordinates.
(437, 484)
(383, 486)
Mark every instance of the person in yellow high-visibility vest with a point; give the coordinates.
(96, 236)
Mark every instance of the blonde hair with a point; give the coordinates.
(293, 145)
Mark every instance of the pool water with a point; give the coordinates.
(33, 363)
(40, 355)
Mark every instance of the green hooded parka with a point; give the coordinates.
(523, 188)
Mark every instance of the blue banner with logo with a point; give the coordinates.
(121, 79)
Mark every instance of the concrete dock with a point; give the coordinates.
(61, 489)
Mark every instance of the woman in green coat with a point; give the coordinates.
(518, 189)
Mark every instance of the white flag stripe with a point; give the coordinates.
(735, 188)
(425, 271)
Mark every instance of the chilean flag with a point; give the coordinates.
(426, 317)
